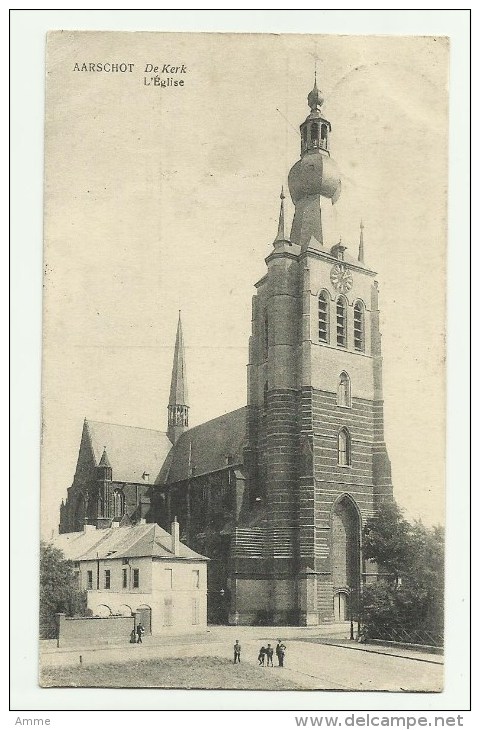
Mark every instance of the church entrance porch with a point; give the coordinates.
(345, 558)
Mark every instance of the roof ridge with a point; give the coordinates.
(123, 425)
(216, 418)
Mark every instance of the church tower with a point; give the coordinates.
(315, 456)
(178, 400)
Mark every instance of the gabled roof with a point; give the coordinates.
(132, 452)
(207, 448)
(135, 541)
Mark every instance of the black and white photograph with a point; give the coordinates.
(244, 414)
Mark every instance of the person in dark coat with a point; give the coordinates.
(140, 633)
(133, 637)
(280, 652)
(269, 655)
(236, 652)
(261, 656)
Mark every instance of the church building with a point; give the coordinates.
(275, 493)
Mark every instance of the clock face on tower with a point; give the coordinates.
(341, 278)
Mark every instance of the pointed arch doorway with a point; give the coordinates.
(345, 558)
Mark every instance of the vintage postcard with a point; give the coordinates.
(243, 456)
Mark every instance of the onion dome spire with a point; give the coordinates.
(315, 98)
(360, 247)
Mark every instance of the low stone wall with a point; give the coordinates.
(405, 645)
(93, 630)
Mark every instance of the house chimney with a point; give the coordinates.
(175, 537)
(88, 528)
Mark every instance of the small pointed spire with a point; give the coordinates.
(178, 400)
(178, 386)
(360, 248)
(281, 220)
(104, 461)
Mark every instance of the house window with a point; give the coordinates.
(168, 578)
(195, 612)
(89, 579)
(107, 579)
(124, 578)
(359, 327)
(341, 322)
(344, 449)
(323, 317)
(168, 613)
(343, 392)
(195, 579)
(136, 578)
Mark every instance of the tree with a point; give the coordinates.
(59, 592)
(406, 603)
(386, 540)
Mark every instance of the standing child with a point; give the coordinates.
(236, 652)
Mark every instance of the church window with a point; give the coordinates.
(343, 392)
(359, 327)
(265, 394)
(304, 136)
(168, 578)
(118, 503)
(107, 579)
(323, 317)
(344, 448)
(341, 322)
(136, 578)
(265, 336)
(314, 134)
(89, 579)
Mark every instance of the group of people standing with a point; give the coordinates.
(266, 652)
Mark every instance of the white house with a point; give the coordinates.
(143, 569)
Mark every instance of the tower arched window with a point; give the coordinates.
(314, 134)
(344, 448)
(323, 317)
(265, 335)
(341, 322)
(324, 135)
(118, 503)
(343, 391)
(359, 327)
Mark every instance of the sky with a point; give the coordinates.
(160, 199)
